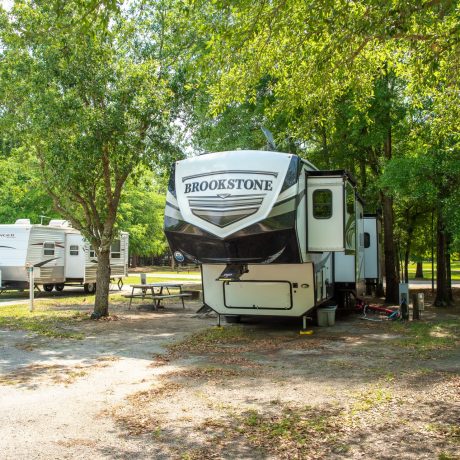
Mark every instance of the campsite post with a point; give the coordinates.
(30, 269)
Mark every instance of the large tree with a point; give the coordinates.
(313, 54)
(89, 99)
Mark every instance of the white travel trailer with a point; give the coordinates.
(58, 253)
(264, 226)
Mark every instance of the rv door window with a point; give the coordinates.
(367, 240)
(322, 204)
(74, 250)
(48, 249)
(115, 250)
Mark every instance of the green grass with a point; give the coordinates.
(290, 431)
(455, 267)
(161, 278)
(430, 336)
(44, 320)
(210, 339)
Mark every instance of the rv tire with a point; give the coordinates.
(232, 319)
(89, 288)
(59, 287)
(48, 287)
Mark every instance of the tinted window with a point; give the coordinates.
(48, 249)
(322, 204)
(73, 250)
(367, 240)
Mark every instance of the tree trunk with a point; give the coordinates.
(406, 264)
(363, 174)
(450, 295)
(391, 275)
(410, 234)
(442, 297)
(419, 270)
(134, 261)
(101, 304)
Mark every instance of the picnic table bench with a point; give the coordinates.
(156, 291)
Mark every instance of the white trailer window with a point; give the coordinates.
(115, 250)
(92, 252)
(322, 204)
(48, 249)
(73, 250)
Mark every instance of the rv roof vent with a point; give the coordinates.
(23, 222)
(59, 223)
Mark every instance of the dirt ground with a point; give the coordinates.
(171, 385)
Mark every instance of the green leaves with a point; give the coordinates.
(83, 96)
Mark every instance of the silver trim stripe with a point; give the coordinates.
(225, 209)
(217, 173)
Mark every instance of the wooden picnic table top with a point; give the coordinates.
(152, 285)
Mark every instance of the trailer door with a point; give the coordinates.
(74, 257)
(325, 213)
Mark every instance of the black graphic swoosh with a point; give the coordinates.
(40, 264)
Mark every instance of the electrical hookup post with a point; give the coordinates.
(404, 300)
(30, 271)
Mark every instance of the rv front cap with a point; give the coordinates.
(229, 184)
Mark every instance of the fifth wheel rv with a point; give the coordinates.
(265, 227)
(58, 253)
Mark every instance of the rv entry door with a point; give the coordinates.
(74, 256)
(329, 225)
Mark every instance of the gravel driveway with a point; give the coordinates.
(169, 384)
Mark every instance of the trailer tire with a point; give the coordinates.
(89, 288)
(232, 319)
(59, 287)
(48, 287)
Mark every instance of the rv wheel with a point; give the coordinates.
(59, 287)
(89, 288)
(232, 319)
(48, 287)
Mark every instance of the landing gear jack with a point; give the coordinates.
(304, 330)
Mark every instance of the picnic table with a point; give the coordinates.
(157, 292)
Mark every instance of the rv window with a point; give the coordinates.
(48, 249)
(92, 253)
(367, 240)
(115, 250)
(74, 250)
(322, 204)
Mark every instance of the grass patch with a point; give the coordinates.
(44, 320)
(293, 432)
(210, 339)
(455, 267)
(370, 399)
(164, 278)
(429, 336)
